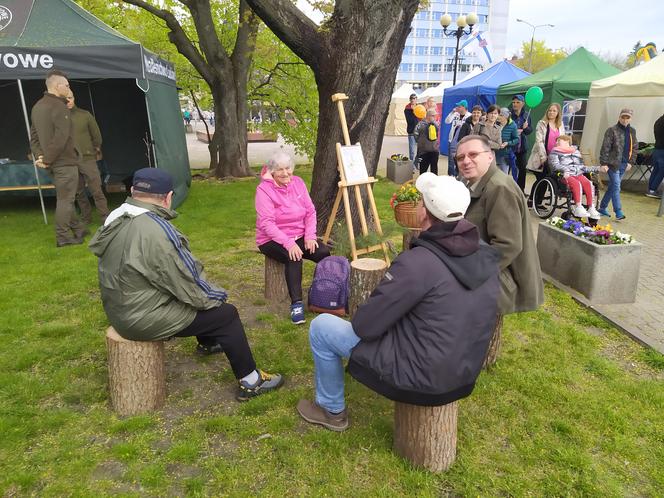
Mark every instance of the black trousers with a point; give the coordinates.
(428, 160)
(521, 162)
(222, 326)
(293, 269)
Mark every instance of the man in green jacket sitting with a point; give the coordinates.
(153, 288)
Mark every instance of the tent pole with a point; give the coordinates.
(147, 108)
(92, 104)
(34, 164)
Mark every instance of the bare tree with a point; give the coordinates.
(356, 51)
(225, 73)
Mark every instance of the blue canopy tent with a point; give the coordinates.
(478, 90)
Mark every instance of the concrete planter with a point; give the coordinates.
(399, 171)
(605, 274)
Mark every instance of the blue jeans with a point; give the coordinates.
(503, 164)
(657, 174)
(612, 193)
(332, 339)
(412, 146)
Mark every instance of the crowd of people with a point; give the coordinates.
(507, 131)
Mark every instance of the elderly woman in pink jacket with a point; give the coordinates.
(286, 225)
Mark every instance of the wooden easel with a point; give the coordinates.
(343, 193)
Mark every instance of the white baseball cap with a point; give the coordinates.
(444, 197)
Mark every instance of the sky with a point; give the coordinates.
(606, 26)
(602, 26)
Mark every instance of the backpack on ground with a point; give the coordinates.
(330, 287)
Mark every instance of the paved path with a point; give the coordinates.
(642, 320)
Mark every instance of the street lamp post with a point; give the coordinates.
(462, 21)
(532, 39)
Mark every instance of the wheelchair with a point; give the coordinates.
(552, 193)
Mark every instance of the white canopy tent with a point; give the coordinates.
(396, 121)
(640, 88)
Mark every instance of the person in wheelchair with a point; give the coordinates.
(565, 159)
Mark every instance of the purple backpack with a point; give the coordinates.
(330, 287)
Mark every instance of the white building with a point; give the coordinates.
(428, 56)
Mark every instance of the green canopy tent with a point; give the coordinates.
(567, 80)
(130, 91)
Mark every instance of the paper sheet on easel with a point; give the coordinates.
(353, 163)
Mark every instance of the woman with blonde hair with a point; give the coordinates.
(547, 131)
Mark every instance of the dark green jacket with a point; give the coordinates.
(498, 209)
(613, 146)
(53, 136)
(151, 285)
(87, 137)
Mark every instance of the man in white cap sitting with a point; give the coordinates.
(422, 335)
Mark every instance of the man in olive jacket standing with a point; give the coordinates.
(153, 288)
(52, 145)
(498, 208)
(422, 335)
(87, 139)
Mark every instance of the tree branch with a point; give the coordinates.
(292, 27)
(245, 41)
(179, 38)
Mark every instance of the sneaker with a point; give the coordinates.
(604, 212)
(620, 215)
(593, 214)
(204, 350)
(653, 194)
(297, 313)
(266, 383)
(315, 414)
(579, 211)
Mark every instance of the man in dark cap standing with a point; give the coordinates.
(153, 288)
(523, 128)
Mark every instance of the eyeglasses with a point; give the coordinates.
(471, 155)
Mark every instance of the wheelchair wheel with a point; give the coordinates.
(546, 192)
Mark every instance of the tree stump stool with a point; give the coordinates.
(136, 374)
(426, 436)
(365, 274)
(494, 346)
(408, 237)
(275, 282)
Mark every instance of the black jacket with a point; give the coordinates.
(425, 329)
(52, 133)
(658, 129)
(411, 119)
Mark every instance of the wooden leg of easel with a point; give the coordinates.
(333, 216)
(360, 209)
(379, 229)
(349, 223)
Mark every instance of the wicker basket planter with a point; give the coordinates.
(406, 214)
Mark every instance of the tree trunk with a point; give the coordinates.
(365, 275)
(228, 148)
(136, 374)
(276, 291)
(426, 436)
(494, 346)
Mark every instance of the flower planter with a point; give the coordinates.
(399, 171)
(406, 214)
(605, 274)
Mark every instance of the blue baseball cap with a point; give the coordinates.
(463, 103)
(153, 181)
(519, 97)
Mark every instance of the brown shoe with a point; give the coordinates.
(68, 242)
(312, 413)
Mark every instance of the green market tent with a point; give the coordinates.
(130, 91)
(568, 79)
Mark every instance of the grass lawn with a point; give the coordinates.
(572, 407)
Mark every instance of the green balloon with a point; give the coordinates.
(534, 96)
